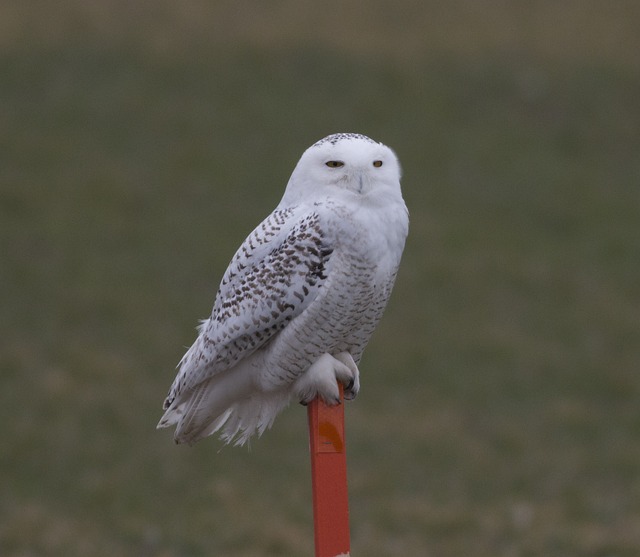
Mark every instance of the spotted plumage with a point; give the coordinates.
(300, 298)
(336, 137)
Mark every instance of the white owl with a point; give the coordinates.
(301, 297)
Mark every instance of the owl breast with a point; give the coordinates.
(358, 283)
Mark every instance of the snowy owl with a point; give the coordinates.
(300, 298)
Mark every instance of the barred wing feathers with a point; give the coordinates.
(273, 277)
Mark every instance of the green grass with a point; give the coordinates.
(499, 409)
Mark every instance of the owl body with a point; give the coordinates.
(301, 297)
(358, 280)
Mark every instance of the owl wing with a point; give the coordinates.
(275, 274)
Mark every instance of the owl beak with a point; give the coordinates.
(357, 180)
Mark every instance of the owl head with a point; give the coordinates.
(344, 165)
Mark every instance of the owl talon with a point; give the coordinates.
(352, 386)
(321, 379)
(348, 391)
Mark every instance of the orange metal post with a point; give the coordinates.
(329, 478)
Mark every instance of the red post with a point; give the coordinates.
(329, 478)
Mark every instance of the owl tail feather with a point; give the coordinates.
(227, 402)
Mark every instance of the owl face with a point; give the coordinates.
(349, 163)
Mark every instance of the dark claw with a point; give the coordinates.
(349, 393)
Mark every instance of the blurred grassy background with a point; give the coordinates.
(141, 142)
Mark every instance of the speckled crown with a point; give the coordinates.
(334, 138)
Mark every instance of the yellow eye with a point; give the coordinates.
(377, 164)
(334, 164)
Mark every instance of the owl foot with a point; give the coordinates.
(320, 379)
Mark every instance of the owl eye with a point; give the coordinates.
(334, 164)
(377, 164)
